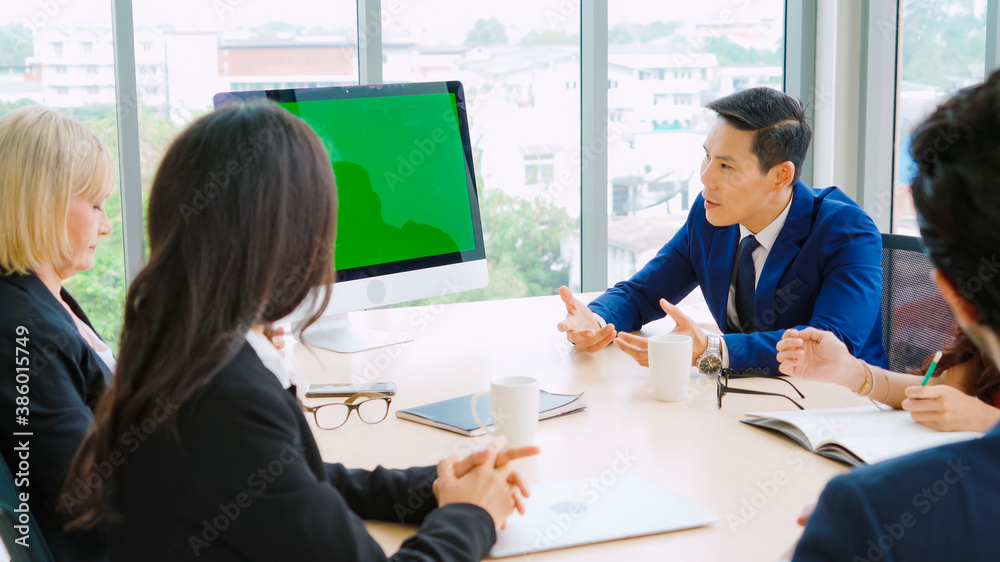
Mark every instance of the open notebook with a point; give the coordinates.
(858, 435)
(455, 414)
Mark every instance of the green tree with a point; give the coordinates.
(731, 54)
(6, 107)
(550, 38)
(622, 34)
(625, 33)
(941, 40)
(486, 32)
(15, 44)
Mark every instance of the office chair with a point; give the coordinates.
(916, 320)
(39, 550)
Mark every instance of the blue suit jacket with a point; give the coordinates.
(938, 504)
(824, 270)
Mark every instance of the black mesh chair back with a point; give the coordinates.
(916, 320)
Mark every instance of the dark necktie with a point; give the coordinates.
(745, 276)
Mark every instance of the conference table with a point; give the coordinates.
(756, 482)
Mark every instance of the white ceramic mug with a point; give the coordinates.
(670, 366)
(514, 404)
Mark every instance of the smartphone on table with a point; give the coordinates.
(326, 390)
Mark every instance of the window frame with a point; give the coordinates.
(593, 88)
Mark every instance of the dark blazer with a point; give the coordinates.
(66, 380)
(247, 483)
(824, 270)
(938, 504)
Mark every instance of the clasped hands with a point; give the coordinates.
(583, 330)
(485, 478)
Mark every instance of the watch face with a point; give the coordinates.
(710, 364)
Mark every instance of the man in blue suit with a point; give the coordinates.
(938, 504)
(768, 252)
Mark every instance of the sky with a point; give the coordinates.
(436, 20)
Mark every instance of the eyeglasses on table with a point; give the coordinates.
(372, 407)
(723, 388)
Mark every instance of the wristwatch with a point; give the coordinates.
(710, 362)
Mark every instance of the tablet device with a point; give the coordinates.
(612, 506)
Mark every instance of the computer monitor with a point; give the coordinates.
(408, 222)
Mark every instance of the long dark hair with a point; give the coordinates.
(242, 217)
(961, 349)
(956, 196)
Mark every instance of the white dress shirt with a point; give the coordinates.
(765, 238)
(272, 358)
(98, 345)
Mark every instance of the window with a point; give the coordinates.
(224, 46)
(100, 290)
(535, 174)
(670, 60)
(520, 64)
(539, 160)
(943, 48)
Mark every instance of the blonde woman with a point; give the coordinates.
(55, 176)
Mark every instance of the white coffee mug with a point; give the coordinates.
(514, 404)
(670, 366)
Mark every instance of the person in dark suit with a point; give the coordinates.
(55, 175)
(198, 449)
(938, 504)
(768, 252)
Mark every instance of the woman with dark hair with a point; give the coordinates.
(939, 503)
(198, 450)
(962, 395)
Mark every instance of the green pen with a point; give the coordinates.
(930, 370)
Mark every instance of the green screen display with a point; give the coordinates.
(401, 176)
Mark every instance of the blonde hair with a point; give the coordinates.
(46, 158)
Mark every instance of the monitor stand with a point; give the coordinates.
(336, 333)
